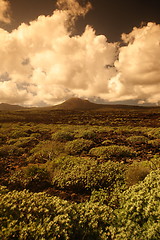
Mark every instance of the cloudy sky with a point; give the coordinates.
(104, 51)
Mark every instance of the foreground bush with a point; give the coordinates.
(139, 214)
(84, 174)
(137, 172)
(25, 215)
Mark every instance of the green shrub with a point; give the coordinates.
(123, 130)
(19, 133)
(45, 151)
(25, 215)
(63, 136)
(23, 142)
(95, 221)
(101, 196)
(32, 177)
(154, 143)
(2, 139)
(110, 196)
(10, 150)
(154, 132)
(112, 151)
(3, 190)
(107, 142)
(154, 162)
(36, 135)
(90, 134)
(83, 174)
(137, 172)
(138, 215)
(137, 139)
(77, 146)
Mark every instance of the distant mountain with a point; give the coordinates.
(77, 104)
(81, 104)
(9, 107)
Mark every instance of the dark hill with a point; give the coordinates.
(77, 104)
(81, 104)
(9, 107)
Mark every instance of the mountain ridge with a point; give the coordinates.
(77, 104)
(82, 104)
(10, 107)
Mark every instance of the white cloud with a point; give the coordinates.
(138, 66)
(74, 7)
(4, 11)
(46, 65)
(42, 63)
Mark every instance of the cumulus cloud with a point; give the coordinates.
(4, 11)
(138, 66)
(73, 7)
(43, 63)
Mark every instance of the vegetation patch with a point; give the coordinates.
(105, 163)
(78, 146)
(137, 139)
(63, 136)
(112, 151)
(33, 177)
(84, 174)
(138, 215)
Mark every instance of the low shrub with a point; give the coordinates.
(10, 150)
(154, 132)
(63, 136)
(154, 143)
(45, 151)
(137, 139)
(78, 146)
(95, 221)
(101, 196)
(84, 174)
(23, 142)
(24, 215)
(32, 177)
(137, 172)
(123, 130)
(138, 215)
(112, 151)
(17, 133)
(154, 162)
(90, 134)
(2, 139)
(107, 142)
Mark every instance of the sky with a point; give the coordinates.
(104, 51)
